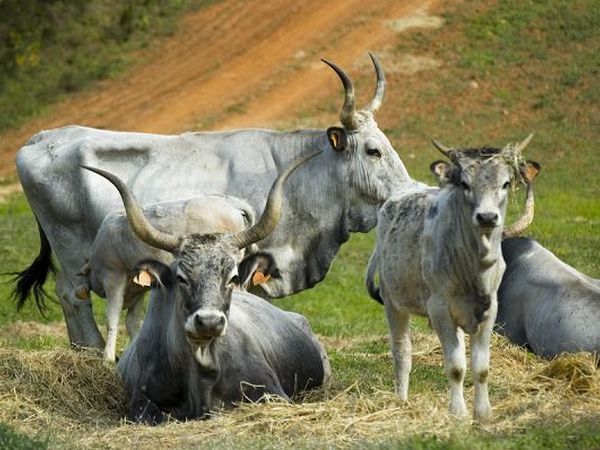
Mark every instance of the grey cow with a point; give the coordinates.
(438, 255)
(204, 345)
(116, 252)
(337, 194)
(545, 304)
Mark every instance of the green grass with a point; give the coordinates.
(12, 440)
(536, 65)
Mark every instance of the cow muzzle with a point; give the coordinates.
(487, 219)
(203, 326)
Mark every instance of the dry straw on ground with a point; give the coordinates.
(75, 398)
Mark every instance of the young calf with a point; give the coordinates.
(116, 252)
(203, 344)
(438, 255)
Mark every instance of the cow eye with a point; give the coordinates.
(464, 185)
(374, 152)
(506, 185)
(182, 281)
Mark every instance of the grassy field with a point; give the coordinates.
(508, 68)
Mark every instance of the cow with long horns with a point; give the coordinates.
(116, 252)
(438, 255)
(338, 193)
(204, 344)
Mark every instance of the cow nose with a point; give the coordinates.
(488, 219)
(209, 325)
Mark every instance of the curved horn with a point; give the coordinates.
(447, 152)
(524, 143)
(379, 88)
(526, 218)
(348, 114)
(138, 222)
(272, 213)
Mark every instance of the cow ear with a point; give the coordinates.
(440, 170)
(150, 273)
(259, 267)
(530, 170)
(338, 138)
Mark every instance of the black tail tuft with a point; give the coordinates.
(32, 279)
(376, 296)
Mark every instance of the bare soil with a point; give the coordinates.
(242, 64)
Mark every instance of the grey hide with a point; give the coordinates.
(205, 345)
(545, 304)
(338, 193)
(116, 252)
(264, 351)
(438, 255)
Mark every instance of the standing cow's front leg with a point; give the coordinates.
(399, 324)
(453, 345)
(114, 286)
(480, 362)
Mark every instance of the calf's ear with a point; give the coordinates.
(150, 273)
(259, 267)
(338, 138)
(440, 170)
(530, 170)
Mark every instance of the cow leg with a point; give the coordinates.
(114, 286)
(398, 322)
(79, 317)
(135, 313)
(480, 363)
(453, 345)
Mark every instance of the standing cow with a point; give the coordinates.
(338, 193)
(204, 345)
(116, 252)
(438, 254)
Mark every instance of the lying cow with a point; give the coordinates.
(203, 344)
(438, 254)
(547, 306)
(116, 252)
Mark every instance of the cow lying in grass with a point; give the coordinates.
(116, 252)
(438, 255)
(547, 305)
(203, 344)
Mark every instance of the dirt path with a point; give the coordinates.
(237, 64)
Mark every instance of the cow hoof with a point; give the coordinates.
(147, 413)
(483, 415)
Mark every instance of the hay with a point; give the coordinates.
(79, 399)
(64, 388)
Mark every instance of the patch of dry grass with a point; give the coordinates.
(79, 400)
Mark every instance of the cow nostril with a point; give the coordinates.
(487, 218)
(198, 322)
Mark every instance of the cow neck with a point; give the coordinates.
(463, 241)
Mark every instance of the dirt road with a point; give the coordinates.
(241, 64)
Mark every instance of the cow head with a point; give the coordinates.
(207, 267)
(374, 169)
(483, 177)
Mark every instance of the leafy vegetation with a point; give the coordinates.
(49, 48)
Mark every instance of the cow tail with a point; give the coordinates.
(31, 280)
(370, 277)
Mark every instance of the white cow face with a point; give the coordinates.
(484, 177)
